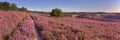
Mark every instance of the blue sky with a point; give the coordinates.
(70, 5)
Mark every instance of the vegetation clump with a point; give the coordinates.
(57, 13)
(13, 7)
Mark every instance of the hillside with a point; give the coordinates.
(31, 26)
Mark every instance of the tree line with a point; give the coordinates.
(13, 7)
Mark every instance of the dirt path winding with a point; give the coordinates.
(37, 29)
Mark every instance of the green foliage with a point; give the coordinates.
(7, 6)
(14, 7)
(57, 13)
(23, 9)
(4, 6)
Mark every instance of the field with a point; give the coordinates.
(16, 25)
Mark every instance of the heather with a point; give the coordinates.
(67, 28)
(15, 25)
(20, 23)
(25, 30)
(9, 21)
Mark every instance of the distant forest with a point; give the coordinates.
(11, 7)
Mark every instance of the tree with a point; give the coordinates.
(7, 6)
(4, 6)
(57, 13)
(14, 7)
(23, 9)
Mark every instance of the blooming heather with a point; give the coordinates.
(16, 26)
(30, 26)
(67, 28)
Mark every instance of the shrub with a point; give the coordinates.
(57, 13)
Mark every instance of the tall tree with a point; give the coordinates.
(14, 7)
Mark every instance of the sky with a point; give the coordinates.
(70, 5)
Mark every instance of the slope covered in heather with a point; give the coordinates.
(16, 26)
(67, 28)
(31, 26)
